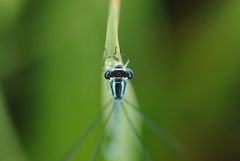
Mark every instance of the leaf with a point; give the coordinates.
(10, 149)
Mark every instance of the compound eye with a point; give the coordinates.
(130, 74)
(107, 74)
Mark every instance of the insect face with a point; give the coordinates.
(118, 73)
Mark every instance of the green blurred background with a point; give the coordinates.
(185, 56)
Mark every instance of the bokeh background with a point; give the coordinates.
(185, 55)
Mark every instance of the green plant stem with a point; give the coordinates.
(121, 144)
(112, 43)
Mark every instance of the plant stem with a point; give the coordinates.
(112, 43)
(121, 144)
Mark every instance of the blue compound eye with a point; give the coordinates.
(107, 74)
(129, 74)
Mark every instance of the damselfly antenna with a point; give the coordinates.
(126, 64)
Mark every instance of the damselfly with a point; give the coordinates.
(118, 75)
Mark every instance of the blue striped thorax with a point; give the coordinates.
(118, 77)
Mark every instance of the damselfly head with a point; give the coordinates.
(118, 73)
(118, 77)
